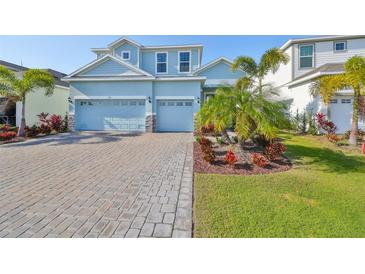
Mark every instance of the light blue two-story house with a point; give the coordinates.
(132, 87)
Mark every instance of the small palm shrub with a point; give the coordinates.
(230, 158)
(259, 160)
(274, 150)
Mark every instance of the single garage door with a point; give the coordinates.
(175, 115)
(123, 115)
(341, 113)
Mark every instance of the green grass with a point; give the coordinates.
(322, 196)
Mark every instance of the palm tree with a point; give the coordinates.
(250, 112)
(17, 89)
(256, 72)
(353, 77)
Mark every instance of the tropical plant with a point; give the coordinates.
(256, 72)
(230, 158)
(207, 149)
(354, 78)
(250, 113)
(259, 160)
(7, 135)
(274, 150)
(17, 89)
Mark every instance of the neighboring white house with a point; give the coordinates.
(309, 59)
(37, 102)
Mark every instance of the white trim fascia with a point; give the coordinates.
(167, 63)
(123, 40)
(99, 50)
(178, 61)
(111, 78)
(175, 97)
(213, 63)
(85, 97)
(171, 47)
(166, 79)
(129, 55)
(103, 59)
(62, 87)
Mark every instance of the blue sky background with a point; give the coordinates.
(68, 53)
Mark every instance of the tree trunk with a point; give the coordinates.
(21, 130)
(355, 120)
(226, 136)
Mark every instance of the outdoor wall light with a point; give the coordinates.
(149, 99)
(69, 100)
(198, 100)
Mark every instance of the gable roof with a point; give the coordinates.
(123, 40)
(12, 66)
(103, 59)
(319, 39)
(213, 63)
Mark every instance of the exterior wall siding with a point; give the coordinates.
(324, 53)
(221, 71)
(134, 58)
(36, 102)
(108, 67)
(149, 61)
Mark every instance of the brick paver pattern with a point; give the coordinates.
(97, 185)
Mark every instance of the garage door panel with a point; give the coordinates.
(175, 115)
(341, 113)
(123, 115)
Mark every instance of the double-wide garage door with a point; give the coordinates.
(174, 115)
(123, 115)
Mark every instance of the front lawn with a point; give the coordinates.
(322, 196)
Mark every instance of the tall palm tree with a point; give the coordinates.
(353, 77)
(17, 89)
(256, 72)
(250, 112)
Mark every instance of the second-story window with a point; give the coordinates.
(161, 62)
(339, 46)
(184, 61)
(126, 55)
(306, 59)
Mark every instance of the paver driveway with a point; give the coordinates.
(97, 185)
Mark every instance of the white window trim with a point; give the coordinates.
(341, 41)
(125, 51)
(167, 62)
(178, 61)
(313, 54)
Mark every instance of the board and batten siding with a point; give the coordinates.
(324, 53)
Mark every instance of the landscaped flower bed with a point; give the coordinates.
(238, 159)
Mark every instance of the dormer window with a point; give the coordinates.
(126, 55)
(184, 61)
(339, 46)
(161, 62)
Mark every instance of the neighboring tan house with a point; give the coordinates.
(37, 102)
(132, 87)
(309, 59)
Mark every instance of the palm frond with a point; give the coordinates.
(245, 63)
(271, 61)
(36, 78)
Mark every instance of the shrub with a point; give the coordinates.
(220, 141)
(32, 131)
(65, 123)
(230, 158)
(327, 126)
(259, 159)
(4, 128)
(207, 148)
(8, 135)
(260, 140)
(360, 135)
(45, 129)
(274, 150)
(197, 139)
(56, 122)
(333, 138)
(209, 129)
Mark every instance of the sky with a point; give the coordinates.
(68, 53)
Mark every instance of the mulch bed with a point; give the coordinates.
(243, 165)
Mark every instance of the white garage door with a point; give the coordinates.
(175, 115)
(341, 113)
(122, 115)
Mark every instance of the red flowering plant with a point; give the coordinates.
(327, 126)
(259, 159)
(230, 158)
(274, 150)
(8, 135)
(56, 122)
